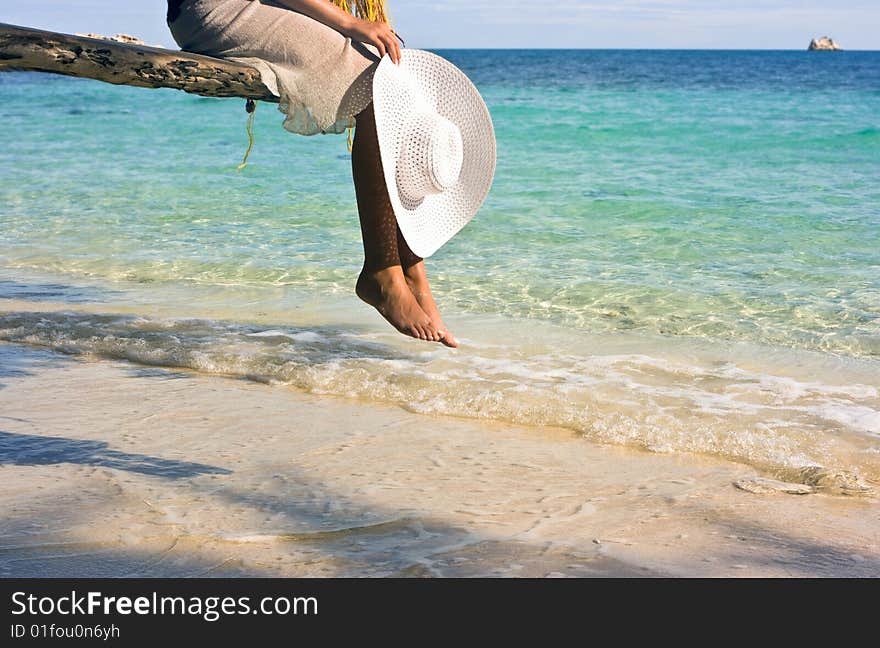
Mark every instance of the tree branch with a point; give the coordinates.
(22, 48)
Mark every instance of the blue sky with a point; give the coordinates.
(783, 24)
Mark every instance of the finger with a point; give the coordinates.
(396, 46)
(391, 44)
(388, 41)
(381, 47)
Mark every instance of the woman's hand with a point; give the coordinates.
(378, 34)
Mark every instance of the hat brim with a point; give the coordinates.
(423, 79)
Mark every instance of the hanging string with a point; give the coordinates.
(251, 108)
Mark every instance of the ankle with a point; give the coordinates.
(417, 285)
(385, 275)
(416, 273)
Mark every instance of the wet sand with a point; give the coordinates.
(115, 469)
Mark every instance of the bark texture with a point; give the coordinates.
(22, 48)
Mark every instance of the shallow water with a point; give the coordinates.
(680, 250)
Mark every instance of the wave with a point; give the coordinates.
(743, 408)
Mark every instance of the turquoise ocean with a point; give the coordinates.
(681, 251)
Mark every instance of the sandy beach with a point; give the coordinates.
(115, 469)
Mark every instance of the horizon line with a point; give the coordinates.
(657, 49)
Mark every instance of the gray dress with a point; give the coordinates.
(322, 78)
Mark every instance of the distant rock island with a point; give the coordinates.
(823, 43)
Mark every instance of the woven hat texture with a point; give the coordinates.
(437, 146)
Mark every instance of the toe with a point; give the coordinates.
(435, 335)
(449, 340)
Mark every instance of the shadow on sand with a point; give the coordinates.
(54, 292)
(33, 450)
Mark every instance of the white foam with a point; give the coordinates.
(855, 417)
(304, 336)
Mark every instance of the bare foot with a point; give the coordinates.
(387, 292)
(417, 280)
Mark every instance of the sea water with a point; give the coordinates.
(680, 252)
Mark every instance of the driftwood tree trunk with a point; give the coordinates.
(22, 48)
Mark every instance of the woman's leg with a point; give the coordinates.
(382, 283)
(417, 279)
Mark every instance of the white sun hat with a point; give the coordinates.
(437, 146)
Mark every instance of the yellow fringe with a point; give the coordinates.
(372, 10)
